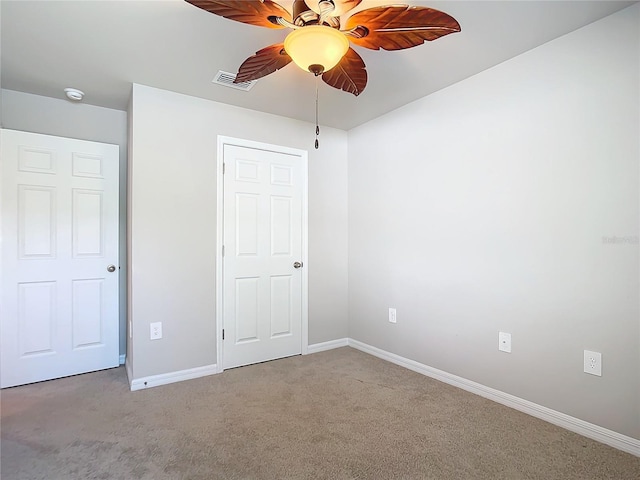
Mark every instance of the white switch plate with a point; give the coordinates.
(504, 342)
(593, 363)
(155, 330)
(392, 315)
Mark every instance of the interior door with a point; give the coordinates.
(263, 255)
(59, 294)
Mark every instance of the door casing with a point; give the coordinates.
(303, 155)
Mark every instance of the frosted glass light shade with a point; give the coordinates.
(315, 45)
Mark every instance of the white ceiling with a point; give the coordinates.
(102, 47)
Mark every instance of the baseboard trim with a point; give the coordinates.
(172, 377)
(589, 430)
(330, 345)
(123, 359)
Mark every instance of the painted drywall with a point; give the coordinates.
(172, 212)
(51, 116)
(510, 202)
(129, 242)
(1, 71)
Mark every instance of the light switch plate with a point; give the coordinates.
(504, 342)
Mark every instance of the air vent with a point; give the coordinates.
(226, 79)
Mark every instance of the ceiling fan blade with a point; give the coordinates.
(350, 75)
(398, 27)
(342, 6)
(264, 62)
(253, 12)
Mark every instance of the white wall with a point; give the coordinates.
(173, 223)
(51, 116)
(483, 207)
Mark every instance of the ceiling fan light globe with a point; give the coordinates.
(316, 45)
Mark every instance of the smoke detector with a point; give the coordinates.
(74, 94)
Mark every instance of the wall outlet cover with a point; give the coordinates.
(593, 363)
(155, 331)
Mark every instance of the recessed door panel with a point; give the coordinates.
(281, 225)
(246, 309)
(87, 312)
(247, 224)
(86, 165)
(36, 160)
(36, 317)
(247, 171)
(281, 175)
(87, 223)
(36, 221)
(281, 305)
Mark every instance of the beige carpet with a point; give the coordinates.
(340, 414)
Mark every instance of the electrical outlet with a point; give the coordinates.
(593, 363)
(155, 330)
(504, 342)
(392, 315)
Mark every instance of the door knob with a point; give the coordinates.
(111, 268)
(297, 264)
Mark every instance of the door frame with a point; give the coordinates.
(303, 154)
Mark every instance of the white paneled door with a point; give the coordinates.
(59, 293)
(263, 254)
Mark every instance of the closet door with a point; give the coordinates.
(263, 286)
(59, 283)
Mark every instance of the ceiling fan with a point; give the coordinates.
(320, 44)
(319, 37)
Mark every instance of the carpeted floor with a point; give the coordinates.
(340, 414)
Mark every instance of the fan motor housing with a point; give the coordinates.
(302, 14)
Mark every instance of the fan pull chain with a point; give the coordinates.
(317, 126)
